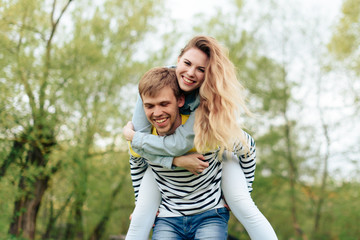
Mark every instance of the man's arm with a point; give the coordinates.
(247, 159)
(138, 166)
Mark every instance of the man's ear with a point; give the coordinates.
(181, 100)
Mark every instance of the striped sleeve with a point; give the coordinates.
(247, 159)
(138, 166)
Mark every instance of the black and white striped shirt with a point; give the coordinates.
(184, 193)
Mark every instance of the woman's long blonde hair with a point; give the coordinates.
(217, 122)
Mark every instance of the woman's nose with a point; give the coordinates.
(191, 71)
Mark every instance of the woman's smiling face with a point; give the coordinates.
(190, 70)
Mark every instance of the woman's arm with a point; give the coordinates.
(161, 150)
(156, 149)
(142, 126)
(139, 119)
(194, 164)
(175, 144)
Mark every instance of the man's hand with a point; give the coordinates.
(128, 131)
(192, 162)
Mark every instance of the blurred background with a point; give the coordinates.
(68, 78)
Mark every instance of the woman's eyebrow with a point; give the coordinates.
(191, 62)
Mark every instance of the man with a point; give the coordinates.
(191, 204)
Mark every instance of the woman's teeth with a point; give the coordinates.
(188, 81)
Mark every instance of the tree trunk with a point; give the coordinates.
(31, 188)
(26, 209)
(292, 179)
(322, 193)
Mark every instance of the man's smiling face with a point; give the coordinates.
(162, 110)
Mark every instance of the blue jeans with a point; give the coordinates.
(211, 224)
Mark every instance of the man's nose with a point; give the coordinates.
(157, 111)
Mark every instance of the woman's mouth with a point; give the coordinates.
(188, 81)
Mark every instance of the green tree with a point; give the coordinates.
(345, 40)
(344, 47)
(63, 65)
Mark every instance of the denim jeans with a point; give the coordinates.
(211, 224)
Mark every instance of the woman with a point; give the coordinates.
(208, 79)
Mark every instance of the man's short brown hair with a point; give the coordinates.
(156, 79)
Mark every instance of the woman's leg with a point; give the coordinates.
(146, 207)
(238, 198)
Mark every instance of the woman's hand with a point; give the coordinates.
(194, 163)
(128, 131)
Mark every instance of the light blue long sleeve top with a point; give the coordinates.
(161, 150)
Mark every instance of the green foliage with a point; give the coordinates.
(12, 237)
(61, 77)
(340, 212)
(344, 47)
(346, 39)
(104, 174)
(64, 97)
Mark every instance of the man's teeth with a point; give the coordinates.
(160, 120)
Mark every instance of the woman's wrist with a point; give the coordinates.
(128, 131)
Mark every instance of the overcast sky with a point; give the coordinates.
(185, 9)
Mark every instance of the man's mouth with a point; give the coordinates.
(160, 120)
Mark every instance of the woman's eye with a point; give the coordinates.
(187, 63)
(201, 70)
